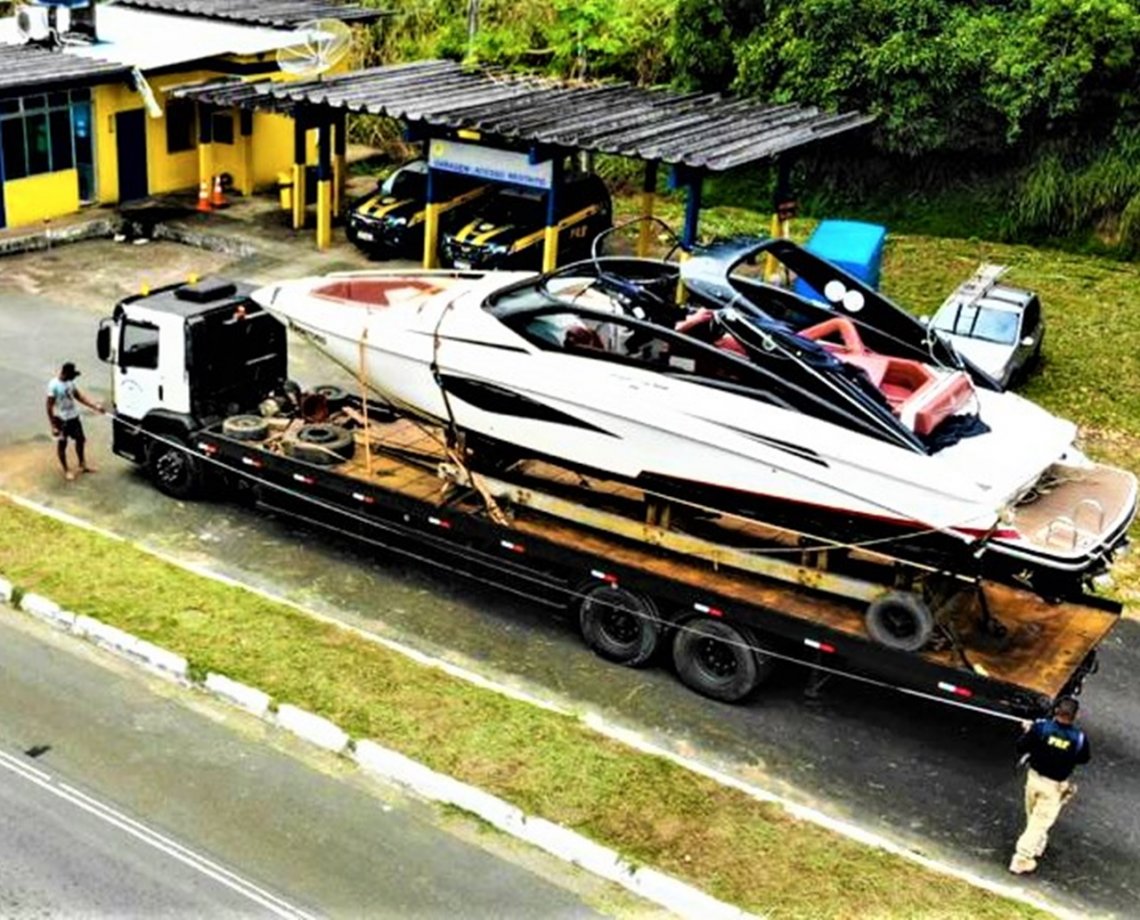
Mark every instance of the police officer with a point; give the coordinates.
(1053, 747)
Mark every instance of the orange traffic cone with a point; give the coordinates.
(204, 196)
(217, 199)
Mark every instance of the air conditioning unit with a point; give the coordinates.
(50, 23)
(34, 23)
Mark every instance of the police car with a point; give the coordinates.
(508, 229)
(390, 221)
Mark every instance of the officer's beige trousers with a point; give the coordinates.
(1044, 799)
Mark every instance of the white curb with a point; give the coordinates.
(248, 698)
(395, 767)
(39, 606)
(681, 898)
(312, 728)
(5, 591)
(572, 847)
(109, 637)
(156, 658)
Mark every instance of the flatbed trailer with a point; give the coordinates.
(643, 589)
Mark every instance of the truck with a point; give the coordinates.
(203, 400)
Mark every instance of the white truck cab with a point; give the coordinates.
(184, 357)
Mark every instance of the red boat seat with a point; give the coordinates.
(376, 292)
(918, 395)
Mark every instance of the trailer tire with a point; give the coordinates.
(335, 396)
(900, 620)
(718, 660)
(172, 468)
(322, 444)
(620, 625)
(246, 428)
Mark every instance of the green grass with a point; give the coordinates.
(654, 812)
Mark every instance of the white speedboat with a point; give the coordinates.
(835, 418)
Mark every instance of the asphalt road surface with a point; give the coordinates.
(117, 798)
(940, 780)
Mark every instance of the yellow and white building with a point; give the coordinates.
(93, 122)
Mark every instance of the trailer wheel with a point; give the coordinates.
(173, 469)
(718, 660)
(900, 621)
(620, 625)
(322, 443)
(246, 427)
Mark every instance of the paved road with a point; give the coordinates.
(939, 780)
(117, 798)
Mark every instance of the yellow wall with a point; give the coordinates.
(36, 198)
(166, 172)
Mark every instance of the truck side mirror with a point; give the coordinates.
(103, 341)
(925, 320)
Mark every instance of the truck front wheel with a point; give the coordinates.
(173, 469)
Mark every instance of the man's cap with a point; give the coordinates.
(69, 370)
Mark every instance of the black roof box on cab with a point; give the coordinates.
(206, 290)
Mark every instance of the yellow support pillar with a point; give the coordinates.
(340, 171)
(431, 234)
(550, 235)
(324, 213)
(324, 185)
(431, 222)
(205, 146)
(300, 157)
(550, 249)
(648, 198)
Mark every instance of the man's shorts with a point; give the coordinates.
(71, 428)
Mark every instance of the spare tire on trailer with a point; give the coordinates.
(321, 443)
(619, 625)
(246, 428)
(900, 620)
(336, 397)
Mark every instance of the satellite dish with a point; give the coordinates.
(319, 46)
(33, 23)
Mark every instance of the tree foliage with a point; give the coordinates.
(1051, 87)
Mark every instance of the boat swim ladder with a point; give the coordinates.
(1070, 525)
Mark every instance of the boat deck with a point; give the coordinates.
(1046, 642)
(1080, 509)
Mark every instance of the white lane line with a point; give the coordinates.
(152, 838)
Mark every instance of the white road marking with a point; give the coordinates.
(152, 838)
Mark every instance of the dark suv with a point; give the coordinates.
(390, 221)
(508, 229)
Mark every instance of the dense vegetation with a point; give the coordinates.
(1038, 100)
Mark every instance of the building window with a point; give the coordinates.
(181, 125)
(36, 135)
(223, 128)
